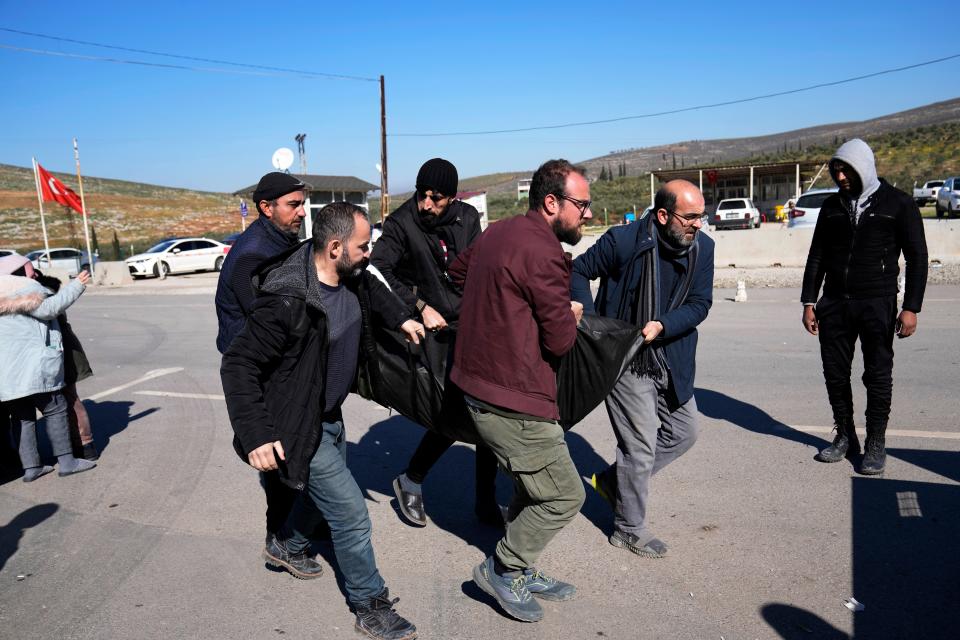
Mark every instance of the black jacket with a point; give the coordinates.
(863, 261)
(412, 261)
(273, 371)
(261, 241)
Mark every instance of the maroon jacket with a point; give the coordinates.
(515, 319)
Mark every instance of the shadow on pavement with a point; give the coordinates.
(12, 532)
(906, 569)
(588, 461)
(108, 418)
(720, 406)
(794, 623)
(384, 451)
(448, 491)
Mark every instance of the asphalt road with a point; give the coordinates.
(163, 539)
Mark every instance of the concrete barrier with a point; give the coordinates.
(773, 244)
(112, 274)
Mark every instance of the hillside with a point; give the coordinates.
(903, 158)
(911, 146)
(138, 213)
(724, 151)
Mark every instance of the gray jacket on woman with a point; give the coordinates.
(31, 347)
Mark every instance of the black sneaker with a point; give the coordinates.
(510, 590)
(89, 452)
(300, 565)
(547, 588)
(377, 619)
(655, 548)
(411, 505)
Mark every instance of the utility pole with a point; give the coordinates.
(302, 152)
(384, 195)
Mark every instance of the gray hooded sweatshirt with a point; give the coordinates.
(859, 157)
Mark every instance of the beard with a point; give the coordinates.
(347, 269)
(570, 235)
(677, 236)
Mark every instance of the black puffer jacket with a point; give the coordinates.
(412, 261)
(273, 370)
(863, 261)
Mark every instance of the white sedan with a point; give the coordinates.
(179, 255)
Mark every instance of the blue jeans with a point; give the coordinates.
(332, 494)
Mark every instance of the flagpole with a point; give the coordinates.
(43, 224)
(83, 205)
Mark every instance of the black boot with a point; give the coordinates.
(845, 444)
(875, 458)
(377, 619)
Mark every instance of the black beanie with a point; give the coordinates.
(438, 175)
(276, 184)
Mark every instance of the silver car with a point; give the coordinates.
(72, 261)
(807, 209)
(948, 198)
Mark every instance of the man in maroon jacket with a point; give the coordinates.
(516, 320)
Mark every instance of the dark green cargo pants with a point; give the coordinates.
(549, 492)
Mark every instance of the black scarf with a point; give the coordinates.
(438, 227)
(649, 360)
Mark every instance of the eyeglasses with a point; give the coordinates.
(689, 218)
(436, 197)
(581, 205)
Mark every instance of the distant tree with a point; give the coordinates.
(93, 241)
(116, 247)
(674, 159)
(603, 174)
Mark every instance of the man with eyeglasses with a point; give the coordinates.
(516, 321)
(420, 241)
(657, 273)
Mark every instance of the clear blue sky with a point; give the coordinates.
(489, 65)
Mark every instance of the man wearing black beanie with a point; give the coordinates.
(420, 240)
(279, 199)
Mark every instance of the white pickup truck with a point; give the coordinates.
(927, 193)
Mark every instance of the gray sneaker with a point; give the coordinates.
(547, 588)
(300, 565)
(655, 548)
(510, 590)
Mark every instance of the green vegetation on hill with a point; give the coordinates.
(903, 157)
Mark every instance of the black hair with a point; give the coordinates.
(665, 199)
(551, 178)
(336, 221)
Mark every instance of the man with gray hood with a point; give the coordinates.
(854, 254)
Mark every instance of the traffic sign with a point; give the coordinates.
(243, 209)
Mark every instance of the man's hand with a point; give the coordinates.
(810, 320)
(908, 324)
(577, 308)
(651, 330)
(84, 277)
(413, 330)
(432, 320)
(262, 458)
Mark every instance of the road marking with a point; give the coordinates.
(150, 375)
(907, 433)
(174, 394)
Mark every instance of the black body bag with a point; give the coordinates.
(413, 379)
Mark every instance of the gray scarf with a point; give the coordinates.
(650, 360)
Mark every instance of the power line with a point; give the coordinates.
(681, 110)
(276, 70)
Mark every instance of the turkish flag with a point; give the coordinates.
(53, 189)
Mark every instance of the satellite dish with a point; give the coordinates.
(282, 159)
